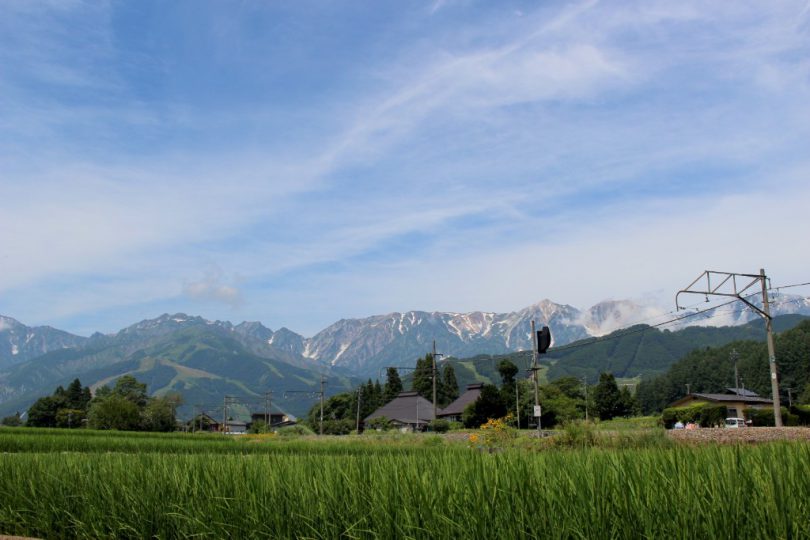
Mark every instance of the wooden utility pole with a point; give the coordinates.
(320, 428)
(433, 362)
(359, 394)
(534, 374)
(766, 308)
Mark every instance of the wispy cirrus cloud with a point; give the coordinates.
(421, 156)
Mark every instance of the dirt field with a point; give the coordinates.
(744, 435)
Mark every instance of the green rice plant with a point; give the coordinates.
(441, 492)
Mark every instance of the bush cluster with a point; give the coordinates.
(705, 414)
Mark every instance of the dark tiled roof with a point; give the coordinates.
(732, 397)
(742, 392)
(457, 407)
(403, 408)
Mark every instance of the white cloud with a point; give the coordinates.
(212, 288)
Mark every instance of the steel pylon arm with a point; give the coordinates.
(728, 284)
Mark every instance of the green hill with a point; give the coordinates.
(201, 363)
(712, 370)
(632, 353)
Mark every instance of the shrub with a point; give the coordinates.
(713, 415)
(292, 431)
(454, 426)
(576, 434)
(439, 426)
(802, 414)
(764, 417)
(380, 423)
(683, 414)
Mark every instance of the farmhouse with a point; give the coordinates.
(454, 411)
(277, 418)
(736, 401)
(407, 410)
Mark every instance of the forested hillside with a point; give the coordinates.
(711, 369)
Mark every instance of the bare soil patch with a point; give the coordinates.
(740, 436)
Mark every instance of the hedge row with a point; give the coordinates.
(705, 414)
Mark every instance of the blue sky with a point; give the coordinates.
(301, 162)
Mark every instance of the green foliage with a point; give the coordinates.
(508, 370)
(804, 397)
(13, 420)
(711, 370)
(606, 397)
(293, 431)
(689, 414)
(393, 384)
(64, 408)
(114, 412)
(649, 352)
(802, 414)
(489, 405)
(577, 434)
(380, 423)
(713, 415)
(423, 377)
(449, 387)
(439, 425)
(158, 415)
(764, 417)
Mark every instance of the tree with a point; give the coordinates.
(627, 405)
(423, 377)
(804, 398)
(130, 389)
(488, 405)
(393, 384)
(606, 396)
(449, 385)
(12, 421)
(508, 370)
(158, 415)
(76, 397)
(114, 412)
(43, 412)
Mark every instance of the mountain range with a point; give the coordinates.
(205, 360)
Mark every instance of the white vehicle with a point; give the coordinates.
(735, 423)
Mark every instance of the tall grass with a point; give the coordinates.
(682, 492)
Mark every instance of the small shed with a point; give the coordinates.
(407, 410)
(455, 409)
(736, 401)
(235, 427)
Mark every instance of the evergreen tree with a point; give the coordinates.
(423, 377)
(606, 396)
(508, 371)
(449, 385)
(393, 384)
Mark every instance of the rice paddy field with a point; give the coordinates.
(63, 484)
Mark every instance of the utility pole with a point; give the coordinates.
(435, 375)
(688, 388)
(225, 415)
(766, 308)
(725, 284)
(534, 375)
(323, 381)
(359, 393)
(517, 403)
